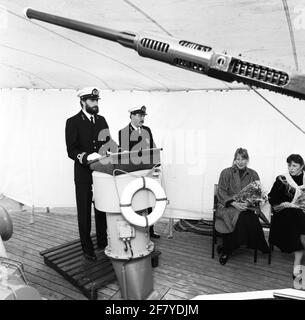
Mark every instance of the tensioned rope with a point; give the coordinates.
(207, 222)
(168, 33)
(156, 23)
(296, 62)
(251, 88)
(294, 50)
(278, 110)
(148, 17)
(275, 108)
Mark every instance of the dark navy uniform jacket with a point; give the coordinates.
(130, 139)
(83, 138)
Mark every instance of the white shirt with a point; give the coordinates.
(88, 115)
(136, 128)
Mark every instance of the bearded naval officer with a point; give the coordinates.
(86, 134)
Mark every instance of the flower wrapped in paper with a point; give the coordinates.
(253, 194)
(300, 200)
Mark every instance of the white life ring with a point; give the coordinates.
(126, 199)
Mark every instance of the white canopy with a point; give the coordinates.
(35, 54)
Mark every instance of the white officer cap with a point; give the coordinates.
(89, 93)
(140, 110)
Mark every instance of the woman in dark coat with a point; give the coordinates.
(288, 225)
(238, 224)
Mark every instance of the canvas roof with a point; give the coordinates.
(35, 54)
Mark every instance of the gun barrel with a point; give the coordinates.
(190, 56)
(124, 38)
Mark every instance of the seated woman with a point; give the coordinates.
(288, 226)
(238, 224)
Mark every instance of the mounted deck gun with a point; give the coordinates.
(190, 56)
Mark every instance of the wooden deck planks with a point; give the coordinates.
(185, 265)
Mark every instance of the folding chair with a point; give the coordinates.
(216, 234)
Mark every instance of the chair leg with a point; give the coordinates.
(213, 245)
(269, 256)
(255, 255)
(270, 252)
(170, 228)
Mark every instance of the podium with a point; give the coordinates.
(129, 246)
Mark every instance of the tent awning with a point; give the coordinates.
(38, 55)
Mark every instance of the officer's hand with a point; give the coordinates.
(93, 156)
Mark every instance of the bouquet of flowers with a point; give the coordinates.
(252, 194)
(300, 201)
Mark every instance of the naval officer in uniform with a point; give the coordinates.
(87, 133)
(135, 136)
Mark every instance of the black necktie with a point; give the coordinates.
(92, 120)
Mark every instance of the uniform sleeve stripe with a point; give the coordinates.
(80, 157)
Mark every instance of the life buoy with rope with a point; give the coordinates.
(130, 190)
